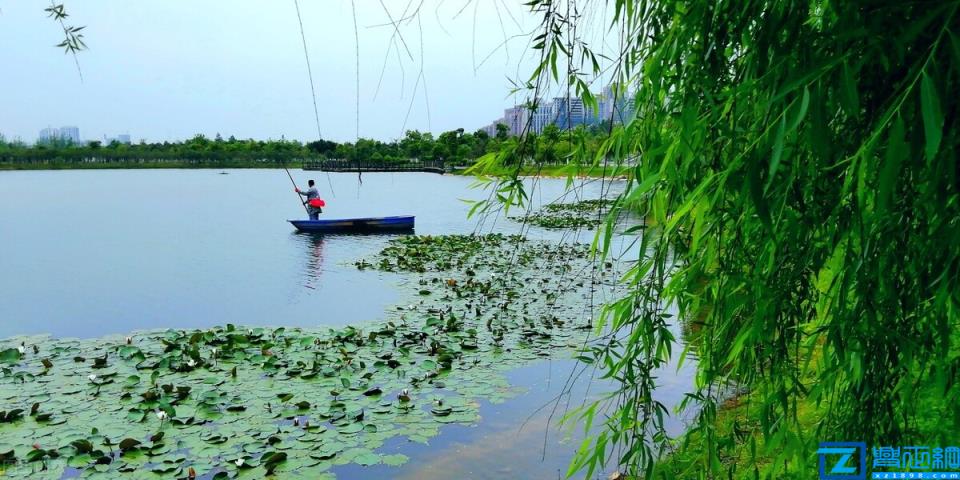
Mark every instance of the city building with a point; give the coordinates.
(121, 138)
(70, 134)
(614, 104)
(491, 129)
(568, 113)
(67, 134)
(48, 135)
(516, 119)
(542, 116)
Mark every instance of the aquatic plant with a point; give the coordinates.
(229, 401)
(582, 214)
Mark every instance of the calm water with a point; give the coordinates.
(91, 253)
(88, 253)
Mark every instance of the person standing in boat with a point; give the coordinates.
(313, 201)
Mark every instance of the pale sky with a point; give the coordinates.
(168, 69)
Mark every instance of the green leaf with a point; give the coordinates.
(777, 153)
(367, 459)
(128, 444)
(801, 110)
(849, 96)
(955, 43)
(10, 355)
(932, 116)
(395, 460)
(80, 461)
(897, 151)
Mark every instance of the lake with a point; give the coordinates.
(89, 253)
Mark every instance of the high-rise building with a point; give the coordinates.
(70, 134)
(615, 104)
(121, 138)
(491, 129)
(516, 119)
(542, 116)
(567, 112)
(48, 135)
(605, 104)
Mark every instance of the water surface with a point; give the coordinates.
(92, 253)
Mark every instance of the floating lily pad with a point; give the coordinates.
(296, 401)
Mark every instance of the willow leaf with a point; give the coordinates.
(932, 117)
(849, 97)
(897, 151)
(777, 151)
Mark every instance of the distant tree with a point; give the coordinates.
(321, 146)
(503, 131)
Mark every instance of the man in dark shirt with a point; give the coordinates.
(311, 194)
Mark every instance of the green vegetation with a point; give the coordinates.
(230, 402)
(198, 152)
(582, 214)
(454, 148)
(797, 173)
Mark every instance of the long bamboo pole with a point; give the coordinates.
(295, 186)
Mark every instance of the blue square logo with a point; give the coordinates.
(842, 460)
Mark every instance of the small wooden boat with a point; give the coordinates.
(350, 225)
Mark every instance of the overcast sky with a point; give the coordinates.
(168, 69)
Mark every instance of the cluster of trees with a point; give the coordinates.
(455, 148)
(198, 151)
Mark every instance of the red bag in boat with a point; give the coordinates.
(317, 203)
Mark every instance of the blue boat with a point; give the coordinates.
(359, 225)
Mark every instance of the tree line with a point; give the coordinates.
(453, 148)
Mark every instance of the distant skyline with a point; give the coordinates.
(172, 69)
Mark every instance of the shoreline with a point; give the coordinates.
(557, 172)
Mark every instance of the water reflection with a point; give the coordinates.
(314, 266)
(522, 437)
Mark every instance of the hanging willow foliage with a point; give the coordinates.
(799, 181)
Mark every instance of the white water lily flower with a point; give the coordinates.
(92, 377)
(162, 415)
(239, 462)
